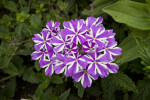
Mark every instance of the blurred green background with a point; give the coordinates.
(22, 78)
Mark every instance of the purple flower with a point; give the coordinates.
(59, 41)
(85, 78)
(60, 64)
(75, 63)
(71, 48)
(93, 21)
(89, 46)
(42, 42)
(97, 64)
(110, 48)
(112, 67)
(76, 29)
(48, 64)
(83, 50)
(53, 27)
(39, 54)
(96, 35)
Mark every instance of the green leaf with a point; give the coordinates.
(143, 87)
(143, 50)
(21, 17)
(93, 91)
(35, 20)
(109, 88)
(80, 89)
(129, 50)
(18, 61)
(96, 7)
(39, 94)
(11, 69)
(124, 81)
(71, 4)
(11, 5)
(64, 95)
(37, 65)
(41, 5)
(148, 1)
(19, 28)
(131, 13)
(72, 97)
(6, 20)
(146, 68)
(28, 48)
(9, 90)
(30, 76)
(50, 95)
(56, 79)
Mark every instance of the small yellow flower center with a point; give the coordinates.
(76, 60)
(91, 48)
(76, 33)
(85, 71)
(95, 62)
(69, 49)
(64, 42)
(106, 48)
(94, 38)
(44, 41)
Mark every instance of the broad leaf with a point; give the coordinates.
(30, 76)
(93, 91)
(11, 69)
(39, 94)
(80, 89)
(98, 5)
(37, 66)
(35, 20)
(129, 50)
(131, 13)
(56, 79)
(11, 5)
(109, 88)
(64, 95)
(148, 1)
(143, 87)
(9, 90)
(143, 50)
(19, 28)
(124, 81)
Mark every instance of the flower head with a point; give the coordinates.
(83, 50)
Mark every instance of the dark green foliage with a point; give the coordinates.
(123, 81)
(9, 90)
(143, 87)
(64, 95)
(23, 78)
(109, 87)
(80, 89)
(144, 50)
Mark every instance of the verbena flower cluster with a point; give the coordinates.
(83, 49)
